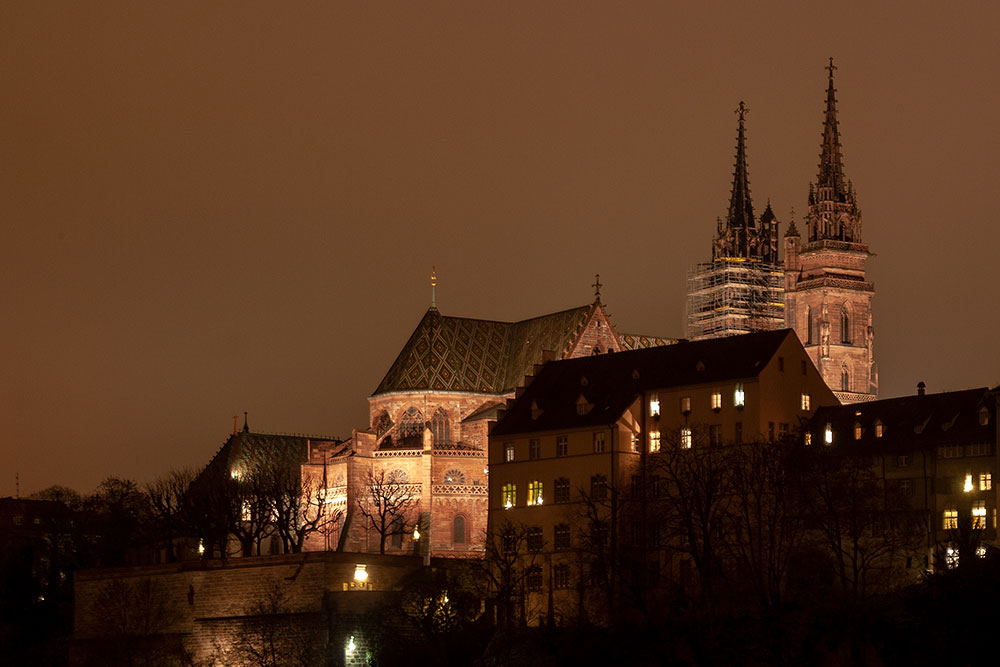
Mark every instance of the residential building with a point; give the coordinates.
(584, 435)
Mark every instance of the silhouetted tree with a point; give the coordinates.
(386, 503)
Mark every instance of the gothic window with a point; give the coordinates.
(845, 379)
(845, 325)
(454, 476)
(441, 427)
(810, 325)
(412, 423)
(382, 424)
(458, 530)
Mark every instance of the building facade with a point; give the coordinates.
(572, 457)
(741, 289)
(828, 297)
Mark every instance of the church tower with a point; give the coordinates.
(828, 299)
(740, 290)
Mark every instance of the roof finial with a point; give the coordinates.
(434, 282)
(235, 419)
(831, 67)
(246, 427)
(742, 110)
(597, 287)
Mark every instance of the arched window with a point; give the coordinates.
(412, 423)
(845, 379)
(382, 424)
(454, 476)
(845, 325)
(810, 326)
(441, 427)
(458, 530)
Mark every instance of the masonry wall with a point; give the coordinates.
(206, 607)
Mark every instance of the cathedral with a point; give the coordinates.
(740, 290)
(821, 290)
(429, 417)
(828, 298)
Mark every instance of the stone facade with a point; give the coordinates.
(828, 298)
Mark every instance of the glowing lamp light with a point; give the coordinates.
(201, 547)
(351, 645)
(416, 533)
(361, 573)
(235, 474)
(968, 484)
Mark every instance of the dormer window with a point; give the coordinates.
(536, 411)
(739, 395)
(583, 406)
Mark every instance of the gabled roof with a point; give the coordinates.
(463, 354)
(609, 383)
(911, 422)
(246, 449)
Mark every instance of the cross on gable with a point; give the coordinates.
(597, 285)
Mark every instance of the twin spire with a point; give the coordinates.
(831, 185)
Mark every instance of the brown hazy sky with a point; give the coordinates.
(212, 209)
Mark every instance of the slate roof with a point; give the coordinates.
(247, 449)
(463, 354)
(610, 382)
(911, 422)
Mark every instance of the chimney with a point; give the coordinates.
(921, 388)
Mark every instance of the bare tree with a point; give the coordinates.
(507, 563)
(862, 523)
(165, 502)
(137, 625)
(695, 502)
(765, 521)
(251, 513)
(386, 504)
(299, 505)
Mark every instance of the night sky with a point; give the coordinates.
(212, 209)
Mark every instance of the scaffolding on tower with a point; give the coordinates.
(734, 295)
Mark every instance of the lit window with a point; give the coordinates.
(806, 401)
(716, 400)
(534, 449)
(857, 431)
(951, 558)
(739, 396)
(562, 490)
(985, 481)
(685, 404)
(967, 487)
(561, 541)
(654, 405)
(808, 438)
(508, 451)
(635, 442)
(979, 515)
(562, 445)
(879, 429)
(950, 519)
(535, 493)
(981, 551)
(828, 434)
(686, 438)
(599, 442)
(654, 441)
(984, 416)
(508, 495)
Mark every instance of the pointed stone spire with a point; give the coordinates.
(740, 204)
(831, 184)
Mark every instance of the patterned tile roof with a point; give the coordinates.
(484, 356)
(640, 342)
(248, 450)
